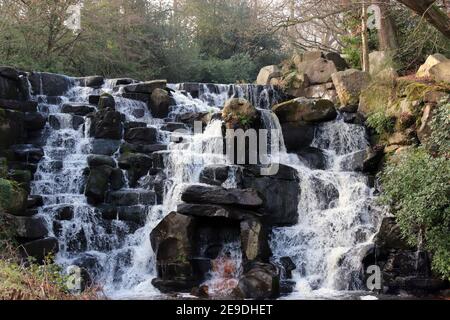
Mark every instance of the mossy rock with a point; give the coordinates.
(13, 199)
(303, 109)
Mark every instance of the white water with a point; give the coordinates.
(325, 245)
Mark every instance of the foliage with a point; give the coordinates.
(381, 122)
(415, 186)
(439, 141)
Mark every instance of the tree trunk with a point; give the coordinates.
(427, 8)
(365, 38)
(387, 33)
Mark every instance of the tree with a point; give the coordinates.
(387, 33)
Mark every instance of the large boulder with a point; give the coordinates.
(142, 136)
(303, 109)
(78, 109)
(217, 175)
(97, 184)
(338, 61)
(254, 242)
(218, 195)
(322, 91)
(49, 84)
(105, 147)
(107, 124)
(100, 160)
(35, 121)
(320, 70)
(16, 105)
(266, 74)
(441, 72)
(432, 60)
(12, 128)
(280, 192)
(239, 113)
(136, 164)
(313, 158)
(13, 84)
(349, 85)
(90, 81)
(27, 153)
(297, 135)
(160, 103)
(132, 198)
(142, 148)
(216, 211)
(295, 84)
(171, 241)
(39, 249)
(145, 87)
(261, 281)
(389, 236)
(31, 228)
(13, 199)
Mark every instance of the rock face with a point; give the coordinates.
(107, 124)
(261, 281)
(145, 87)
(141, 136)
(78, 109)
(433, 60)
(12, 84)
(349, 85)
(239, 114)
(303, 109)
(441, 72)
(218, 174)
(160, 103)
(266, 74)
(49, 84)
(320, 71)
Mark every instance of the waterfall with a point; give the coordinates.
(334, 226)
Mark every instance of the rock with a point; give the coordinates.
(100, 160)
(97, 184)
(441, 72)
(338, 61)
(78, 109)
(389, 236)
(94, 99)
(281, 208)
(105, 147)
(12, 128)
(34, 201)
(379, 61)
(297, 135)
(424, 132)
(218, 195)
(160, 103)
(106, 101)
(353, 161)
(143, 97)
(372, 160)
(64, 213)
(171, 241)
(433, 60)
(319, 71)
(137, 213)
(295, 84)
(132, 198)
(27, 153)
(288, 266)
(313, 157)
(117, 179)
(49, 84)
(107, 124)
(31, 228)
(260, 282)
(13, 84)
(239, 113)
(13, 199)
(400, 138)
(16, 105)
(174, 126)
(136, 164)
(266, 74)
(22, 177)
(140, 148)
(189, 118)
(91, 81)
(142, 136)
(218, 174)
(216, 211)
(322, 91)
(349, 85)
(145, 87)
(39, 249)
(435, 97)
(254, 241)
(35, 121)
(302, 109)
(58, 122)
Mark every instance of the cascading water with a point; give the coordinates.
(334, 218)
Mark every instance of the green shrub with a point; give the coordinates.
(415, 186)
(381, 122)
(439, 141)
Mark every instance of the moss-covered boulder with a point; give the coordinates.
(349, 85)
(303, 109)
(432, 60)
(13, 199)
(239, 113)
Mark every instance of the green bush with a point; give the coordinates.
(415, 186)
(439, 141)
(381, 122)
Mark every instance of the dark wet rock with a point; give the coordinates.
(304, 109)
(16, 105)
(140, 148)
(35, 121)
(326, 192)
(297, 135)
(313, 157)
(12, 128)
(145, 87)
(216, 211)
(254, 242)
(134, 124)
(218, 195)
(136, 164)
(107, 124)
(338, 61)
(64, 213)
(100, 160)
(142, 136)
(143, 97)
(55, 122)
(155, 181)
(31, 228)
(218, 174)
(106, 101)
(373, 159)
(189, 118)
(159, 159)
(34, 201)
(27, 153)
(49, 84)
(288, 266)
(136, 213)
(132, 197)
(174, 126)
(97, 184)
(105, 146)
(39, 249)
(94, 99)
(13, 84)
(389, 236)
(78, 109)
(95, 82)
(261, 281)
(117, 179)
(280, 192)
(160, 102)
